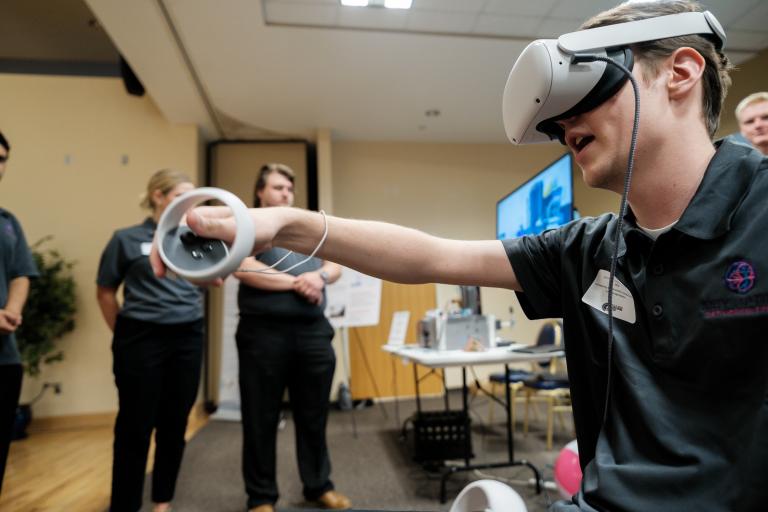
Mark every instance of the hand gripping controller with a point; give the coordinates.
(203, 259)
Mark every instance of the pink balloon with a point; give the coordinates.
(568, 470)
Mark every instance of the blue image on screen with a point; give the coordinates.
(543, 202)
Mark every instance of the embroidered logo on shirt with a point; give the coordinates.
(740, 276)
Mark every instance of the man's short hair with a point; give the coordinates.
(716, 78)
(756, 97)
(4, 142)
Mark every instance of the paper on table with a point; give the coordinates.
(399, 327)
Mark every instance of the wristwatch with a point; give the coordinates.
(324, 276)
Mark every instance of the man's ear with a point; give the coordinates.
(686, 67)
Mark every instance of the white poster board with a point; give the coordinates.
(354, 300)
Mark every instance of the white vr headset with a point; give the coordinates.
(549, 83)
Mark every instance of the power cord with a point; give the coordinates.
(622, 208)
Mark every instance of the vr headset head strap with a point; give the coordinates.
(640, 31)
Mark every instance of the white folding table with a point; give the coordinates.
(435, 359)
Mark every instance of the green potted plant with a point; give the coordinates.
(48, 315)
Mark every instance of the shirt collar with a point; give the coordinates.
(149, 223)
(726, 180)
(709, 213)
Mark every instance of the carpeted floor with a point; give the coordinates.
(374, 467)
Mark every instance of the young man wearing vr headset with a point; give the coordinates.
(669, 389)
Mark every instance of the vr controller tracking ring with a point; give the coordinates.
(202, 259)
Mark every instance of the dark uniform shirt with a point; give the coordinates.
(687, 425)
(147, 298)
(254, 301)
(15, 261)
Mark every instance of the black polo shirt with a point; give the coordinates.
(286, 303)
(15, 261)
(125, 260)
(687, 424)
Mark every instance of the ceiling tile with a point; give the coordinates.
(519, 7)
(301, 14)
(552, 28)
(747, 40)
(455, 22)
(513, 26)
(581, 9)
(469, 6)
(755, 19)
(383, 19)
(306, 2)
(727, 11)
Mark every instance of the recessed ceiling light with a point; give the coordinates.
(398, 4)
(389, 4)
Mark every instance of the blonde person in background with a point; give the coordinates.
(157, 347)
(752, 114)
(284, 341)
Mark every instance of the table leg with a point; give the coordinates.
(416, 383)
(510, 443)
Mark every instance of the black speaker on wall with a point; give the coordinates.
(132, 83)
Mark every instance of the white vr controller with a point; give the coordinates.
(203, 259)
(548, 83)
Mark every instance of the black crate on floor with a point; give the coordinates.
(441, 435)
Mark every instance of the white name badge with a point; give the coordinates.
(146, 248)
(597, 297)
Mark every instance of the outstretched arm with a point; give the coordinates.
(388, 251)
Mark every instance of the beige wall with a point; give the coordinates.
(749, 77)
(90, 123)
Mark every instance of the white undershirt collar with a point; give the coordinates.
(655, 233)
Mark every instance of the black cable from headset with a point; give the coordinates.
(622, 209)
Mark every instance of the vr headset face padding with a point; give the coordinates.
(611, 81)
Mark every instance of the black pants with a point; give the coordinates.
(10, 388)
(274, 354)
(157, 372)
